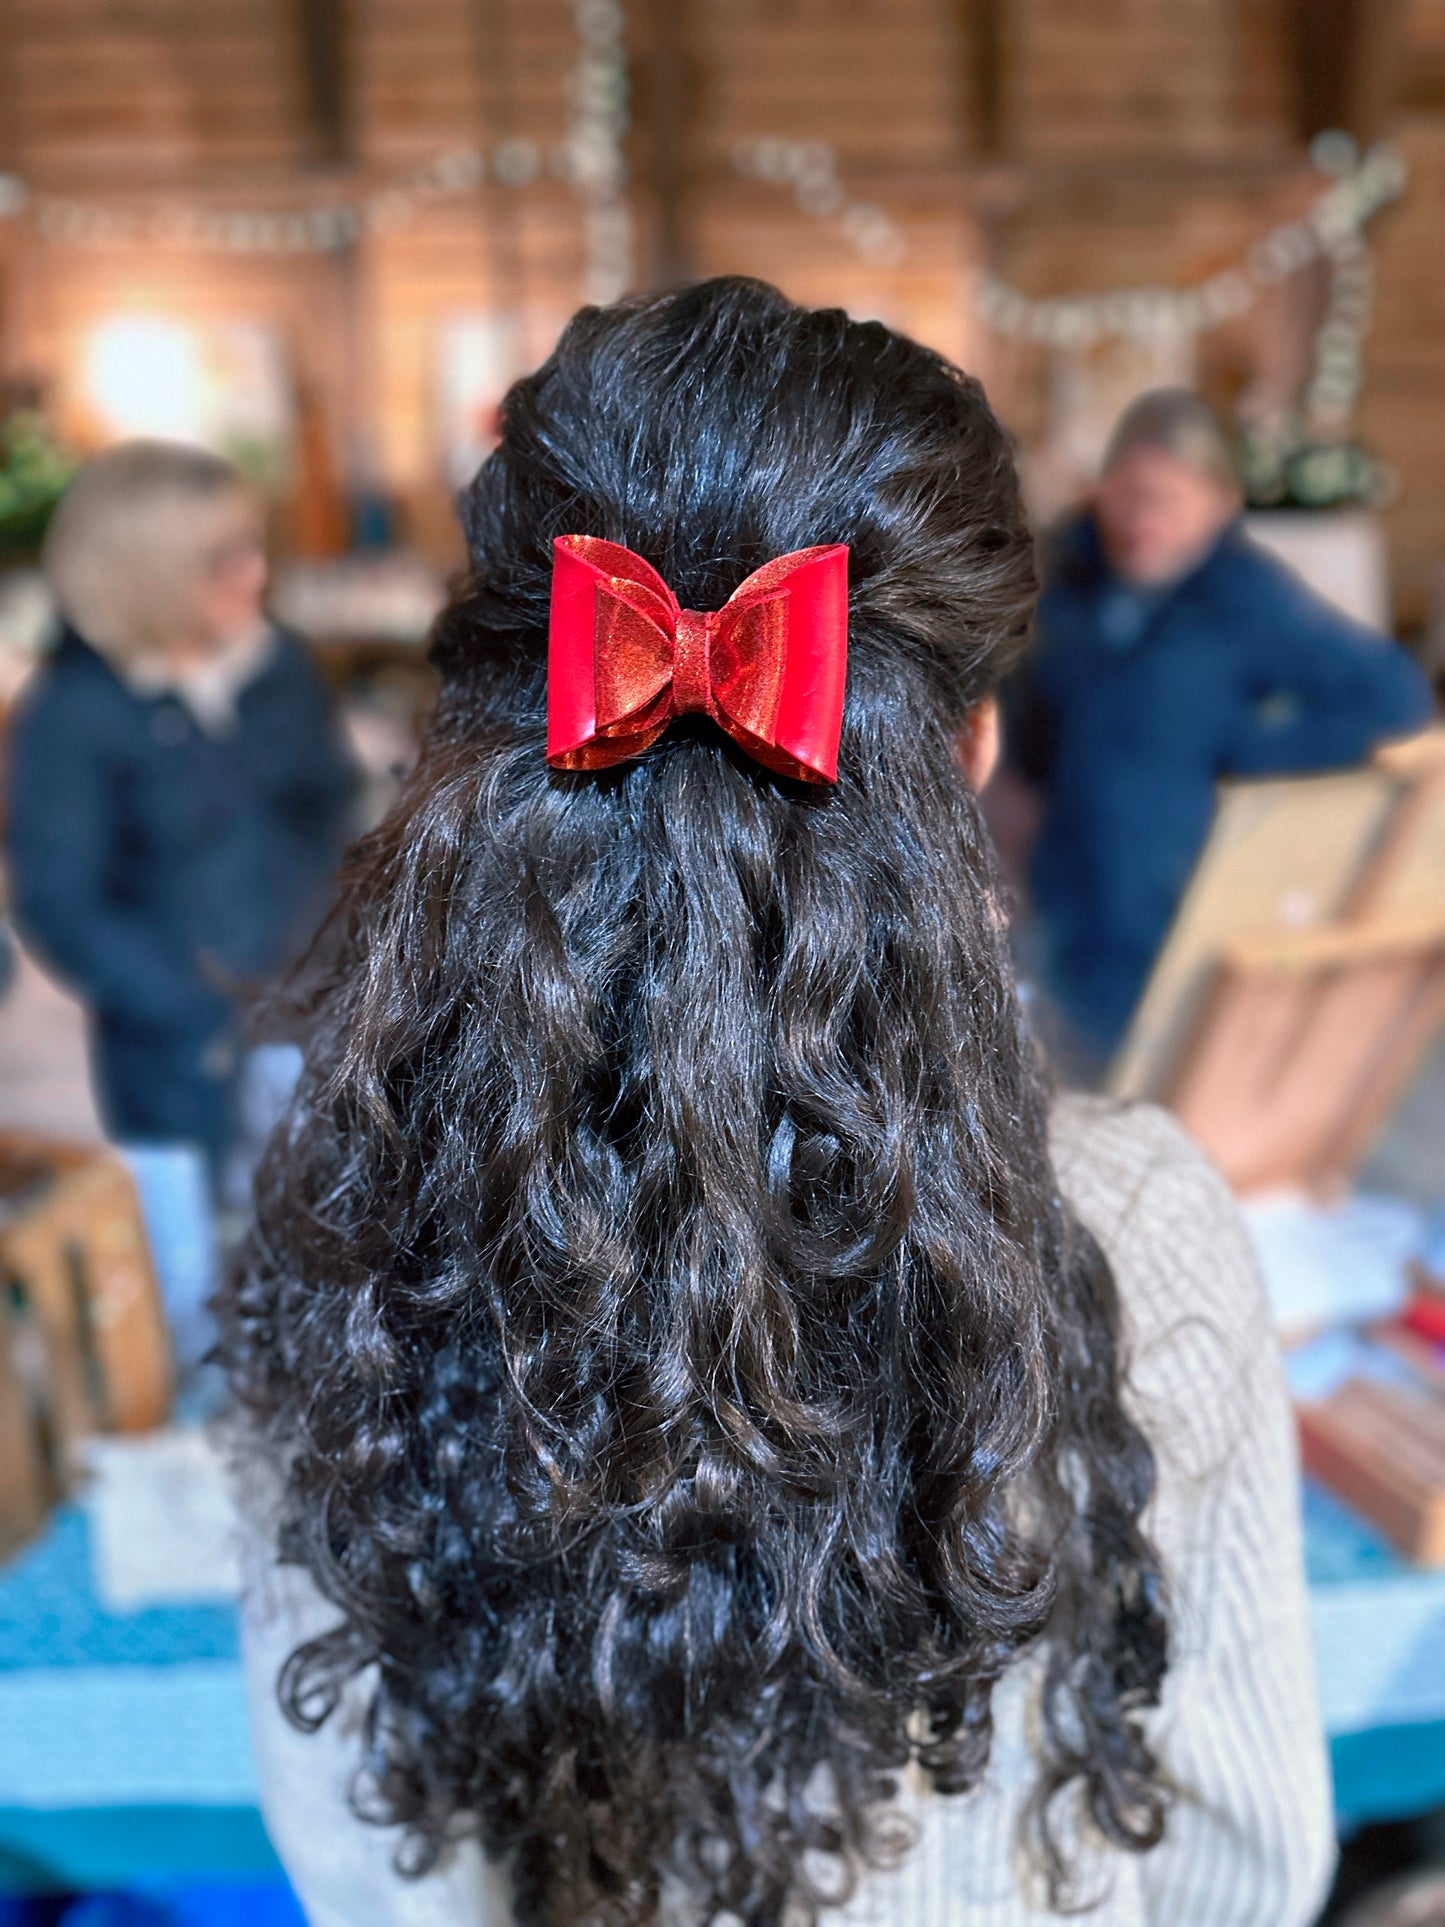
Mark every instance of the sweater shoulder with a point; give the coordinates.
(1196, 1323)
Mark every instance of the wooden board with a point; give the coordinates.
(73, 1246)
(27, 1482)
(1382, 1450)
(1304, 1046)
(1283, 855)
(1407, 877)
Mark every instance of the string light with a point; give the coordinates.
(810, 170)
(1281, 441)
(590, 159)
(595, 161)
(1331, 231)
(328, 227)
(1329, 399)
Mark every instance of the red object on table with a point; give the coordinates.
(1425, 1316)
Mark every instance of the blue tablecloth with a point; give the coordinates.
(124, 1757)
(123, 1746)
(1379, 1627)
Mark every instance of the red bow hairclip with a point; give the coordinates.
(623, 659)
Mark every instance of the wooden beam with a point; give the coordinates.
(321, 29)
(984, 26)
(1379, 68)
(12, 239)
(1347, 57)
(502, 225)
(664, 105)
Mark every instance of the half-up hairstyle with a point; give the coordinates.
(682, 1373)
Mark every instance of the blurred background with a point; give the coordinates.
(317, 239)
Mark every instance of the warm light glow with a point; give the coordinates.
(145, 375)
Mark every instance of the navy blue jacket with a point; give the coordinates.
(153, 864)
(1132, 709)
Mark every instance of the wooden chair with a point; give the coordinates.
(82, 1303)
(1304, 977)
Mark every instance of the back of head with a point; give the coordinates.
(686, 1380)
(127, 543)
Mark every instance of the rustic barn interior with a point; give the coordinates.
(400, 200)
(321, 238)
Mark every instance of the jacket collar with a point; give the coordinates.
(1081, 560)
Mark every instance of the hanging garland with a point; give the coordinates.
(1289, 453)
(589, 159)
(1331, 230)
(324, 228)
(596, 162)
(1302, 453)
(810, 170)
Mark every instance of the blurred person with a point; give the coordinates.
(178, 794)
(1171, 651)
(717, 1438)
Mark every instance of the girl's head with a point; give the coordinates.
(687, 1383)
(719, 427)
(158, 550)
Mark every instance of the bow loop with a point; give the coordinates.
(624, 658)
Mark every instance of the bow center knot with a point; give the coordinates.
(692, 662)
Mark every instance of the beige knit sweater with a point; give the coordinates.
(1249, 1841)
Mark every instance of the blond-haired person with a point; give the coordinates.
(178, 791)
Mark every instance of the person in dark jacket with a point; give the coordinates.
(1171, 652)
(179, 792)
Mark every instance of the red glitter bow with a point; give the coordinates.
(623, 659)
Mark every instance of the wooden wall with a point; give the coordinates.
(1403, 410)
(106, 96)
(880, 81)
(1072, 144)
(1126, 81)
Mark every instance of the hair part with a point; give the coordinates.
(129, 542)
(684, 1377)
(1181, 424)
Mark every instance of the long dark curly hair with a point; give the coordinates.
(683, 1375)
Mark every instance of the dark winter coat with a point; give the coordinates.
(1133, 708)
(160, 869)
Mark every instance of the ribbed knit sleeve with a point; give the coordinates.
(1250, 1842)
